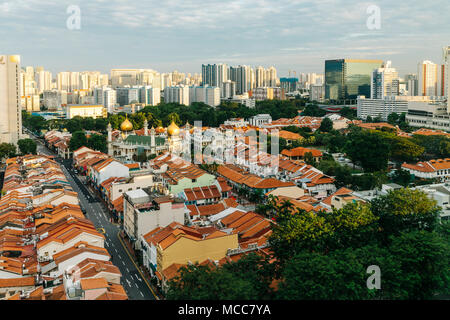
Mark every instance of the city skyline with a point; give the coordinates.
(290, 35)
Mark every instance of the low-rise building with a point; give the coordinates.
(177, 243)
(86, 110)
(146, 209)
(300, 152)
(439, 168)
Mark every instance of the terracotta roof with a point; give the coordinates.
(118, 204)
(171, 271)
(289, 135)
(93, 283)
(428, 166)
(202, 193)
(167, 236)
(375, 125)
(132, 165)
(17, 282)
(341, 190)
(300, 152)
(430, 132)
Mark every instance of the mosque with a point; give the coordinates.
(129, 142)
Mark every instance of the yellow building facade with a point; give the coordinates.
(186, 249)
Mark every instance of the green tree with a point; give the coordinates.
(7, 150)
(405, 210)
(348, 113)
(27, 146)
(423, 258)
(75, 124)
(97, 142)
(368, 148)
(313, 110)
(100, 124)
(246, 279)
(315, 276)
(309, 159)
(173, 117)
(326, 125)
(402, 177)
(78, 140)
(35, 123)
(393, 118)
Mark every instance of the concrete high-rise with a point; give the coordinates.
(446, 57)
(177, 94)
(242, 76)
(427, 72)
(384, 82)
(10, 105)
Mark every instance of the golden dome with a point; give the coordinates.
(173, 129)
(126, 125)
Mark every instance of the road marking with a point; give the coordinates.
(137, 268)
(141, 293)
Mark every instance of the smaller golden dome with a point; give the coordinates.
(173, 129)
(126, 125)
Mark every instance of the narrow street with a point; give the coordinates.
(132, 281)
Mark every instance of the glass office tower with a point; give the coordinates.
(346, 79)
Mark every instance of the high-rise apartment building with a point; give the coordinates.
(149, 96)
(43, 79)
(127, 95)
(105, 96)
(271, 77)
(428, 75)
(412, 84)
(10, 103)
(348, 78)
(228, 89)
(54, 99)
(242, 75)
(384, 82)
(177, 94)
(446, 56)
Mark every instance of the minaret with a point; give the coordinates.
(153, 140)
(145, 127)
(109, 141)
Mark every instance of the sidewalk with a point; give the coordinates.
(143, 271)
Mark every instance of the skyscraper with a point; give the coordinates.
(10, 106)
(427, 73)
(242, 76)
(385, 82)
(348, 78)
(214, 75)
(446, 56)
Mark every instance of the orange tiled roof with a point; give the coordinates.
(93, 283)
(340, 191)
(289, 135)
(17, 282)
(428, 166)
(300, 152)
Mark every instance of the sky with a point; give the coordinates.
(181, 35)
